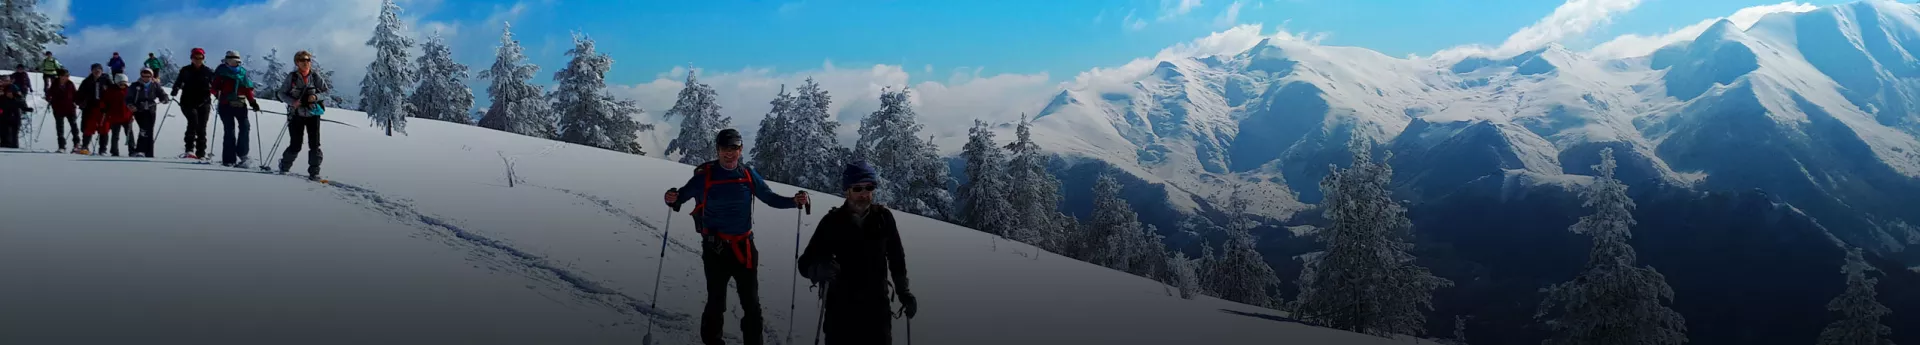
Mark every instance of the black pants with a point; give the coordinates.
(233, 142)
(114, 132)
(63, 125)
(721, 265)
(196, 137)
(10, 130)
(858, 313)
(307, 128)
(144, 145)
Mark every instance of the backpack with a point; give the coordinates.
(240, 81)
(741, 245)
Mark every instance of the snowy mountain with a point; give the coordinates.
(422, 239)
(1818, 108)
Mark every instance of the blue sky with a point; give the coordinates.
(1059, 37)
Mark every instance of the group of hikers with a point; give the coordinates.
(854, 250)
(104, 107)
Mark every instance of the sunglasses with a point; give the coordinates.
(302, 60)
(862, 188)
(729, 147)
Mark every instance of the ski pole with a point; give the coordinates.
(275, 150)
(41, 126)
(793, 295)
(822, 320)
(163, 121)
(662, 267)
(257, 143)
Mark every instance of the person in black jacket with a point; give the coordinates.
(13, 107)
(145, 96)
(21, 79)
(853, 252)
(196, 80)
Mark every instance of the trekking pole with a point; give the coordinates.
(163, 121)
(41, 126)
(275, 151)
(822, 320)
(257, 143)
(662, 266)
(793, 297)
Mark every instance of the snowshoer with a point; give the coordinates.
(724, 218)
(61, 101)
(855, 249)
(304, 95)
(119, 66)
(20, 79)
(145, 96)
(13, 107)
(92, 123)
(114, 107)
(195, 81)
(154, 63)
(48, 67)
(235, 93)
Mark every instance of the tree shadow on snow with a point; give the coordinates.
(1269, 317)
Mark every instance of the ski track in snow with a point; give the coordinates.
(638, 222)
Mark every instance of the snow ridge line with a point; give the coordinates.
(637, 221)
(581, 285)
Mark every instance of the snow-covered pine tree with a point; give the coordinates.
(383, 92)
(931, 184)
(518, 106)
(589, 115)
(25, 33)
(1184, 276)
(1859, 308)
(1035, 192)
(1109, 236)
(1366, 281)
(442, 93)
(699, 107)
(273, 77)
(984, 204)
(168, 67)
(769, 152)
(1612, 301)
(1241, 273)
(812, 140)
(890, 140)
(1149, 258)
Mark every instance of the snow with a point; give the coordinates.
(422, 241)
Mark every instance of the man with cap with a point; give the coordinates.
(145, 96)
(119, 66)
(154, 63)
(196, 81)
(854, 250)
(724, 218)
(48, 67)
(234, 93)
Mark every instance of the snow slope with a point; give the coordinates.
(421, 240)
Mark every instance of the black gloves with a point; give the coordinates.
(821, 272)
(908, 304)
(255, 104)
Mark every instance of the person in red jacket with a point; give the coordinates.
(119, 116)
(234, 94)
(61, 102)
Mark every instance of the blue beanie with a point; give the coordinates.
(856, 172)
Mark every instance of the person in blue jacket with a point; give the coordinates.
(118, 66)
(724, 219)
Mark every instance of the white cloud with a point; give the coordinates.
(1097, 18)
(58, 11)
(1132, 23)
(1634, 45)
(945, 107)
(1230, 16)
(1174, 9)
(1572, 19)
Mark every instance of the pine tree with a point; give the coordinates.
(442, 93)
(700, 111)
(770, 153)
(1859, 308)
(812, 144)
(25, 33)
(1035, 192)
(589, 115)
(1366, 280)
(1184, 275)
(169, 69)
(1612, 301)
(1241, 273)
(517, 105)
(983, 203)
(889, 138)
(273, 78)
(383, 91)
(1149, 255)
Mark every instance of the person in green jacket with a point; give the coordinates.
(153, 63)
(48, 68)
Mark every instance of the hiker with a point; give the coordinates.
(235, 93)
(145, 96)
(48, 67)
(13, 107)
(853, 251)
(196, 81)
(154, 63)
(92, 89)
(119, 116)
(724, 218)
(61, 102)
(119, 66)
(20, 79)
(304, 96)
